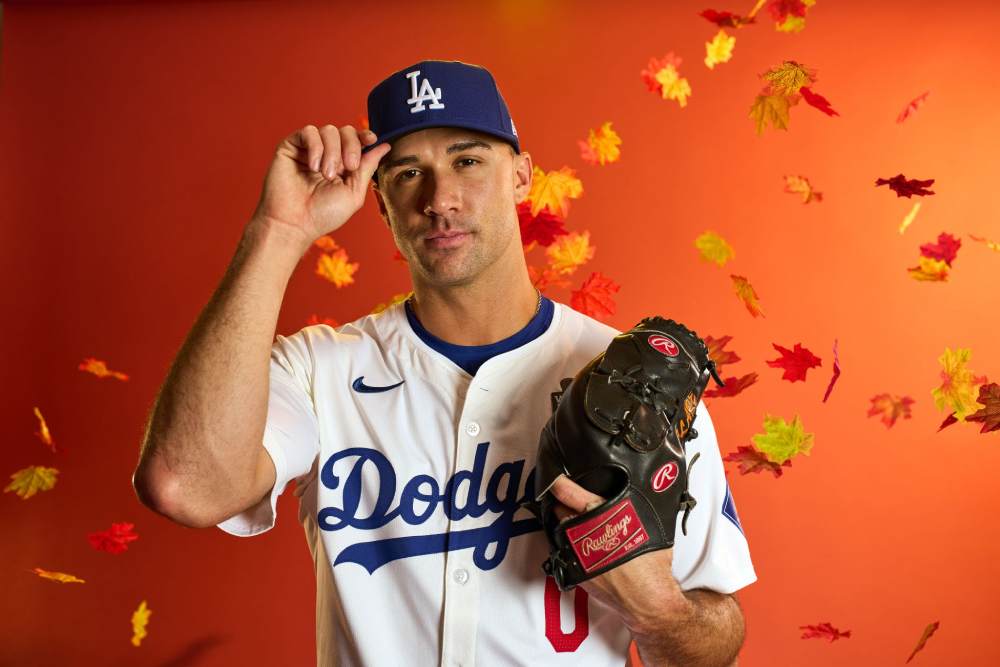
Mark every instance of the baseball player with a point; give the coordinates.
(412, 433)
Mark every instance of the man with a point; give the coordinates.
(412, 433)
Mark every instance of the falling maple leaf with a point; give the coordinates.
(718, 353)
(594, 296)
(43, 432)
(326, 243)
(782, 440)
(542, 229)
(836, 372)
(140, 619)
(817, 101)
(992, 245)
(823, 631)
(29, 481)
(911, 108)
(570, 252)
(747, 294)
(750, 460)
(733, 386)
(100, 369)
(114, 540)
(929, 269)
(335, 268)
(956, 391)
(61, 577)
(720, 49)
(554, 190)
(727, 19)
(601, 146)
(662, 76)
(928, 631)
(800, 185)
(713, 248)
(795, 362)
(787, 78)
(910, 217)
(315, 319)
(789, 15)
(989, 414)
(396, 298)
(546, 278)
(890, 408)
(904, 187)
(771, 109)
(946, 248)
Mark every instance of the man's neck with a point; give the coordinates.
(475, 315)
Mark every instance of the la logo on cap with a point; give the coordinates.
(427, 94)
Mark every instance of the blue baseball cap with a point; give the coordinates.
(439, 93)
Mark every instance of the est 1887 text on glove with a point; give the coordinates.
(619, 430)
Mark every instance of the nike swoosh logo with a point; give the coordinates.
(360, 386)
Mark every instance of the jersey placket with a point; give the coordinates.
(462, 577)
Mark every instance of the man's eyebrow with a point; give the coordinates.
(454, 148)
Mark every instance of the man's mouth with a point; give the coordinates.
(446, 239)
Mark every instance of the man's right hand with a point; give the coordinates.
(318, 180)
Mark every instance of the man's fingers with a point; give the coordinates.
(332, 158)
(370, 160)
(573, 495)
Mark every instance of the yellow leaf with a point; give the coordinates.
(713, 248)
(29, 481)
(787, 78)
(957, 392)
(781, 440)
(554, 190)
(801, 185)
(569, 252)
(100, 369)
(674, 86)
(396, 298)
(908, 220)
(992, 245)
(336, 268)
(326, 243)
(770, 109)
(604, 143)
(140, 619)
(746, 294)
(719, 50)
(43, 429)
(61, 577)
(930, 269)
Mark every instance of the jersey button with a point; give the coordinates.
(461, 576)
(472, 428)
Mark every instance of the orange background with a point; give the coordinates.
(134, 140)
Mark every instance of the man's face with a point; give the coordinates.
(449, 196)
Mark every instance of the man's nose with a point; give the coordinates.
(442, 195)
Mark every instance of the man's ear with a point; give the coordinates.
(381, 203)
(523, 170)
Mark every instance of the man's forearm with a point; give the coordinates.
(707, 631)
(205, 430)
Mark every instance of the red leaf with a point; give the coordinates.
(546, 278)
(718, 353)
(989, 396)
(114, 540)
(905, 188)
(836, 372)
(795, 362)
(890, 407)
(818, 101)
(751, 460)
(823, 631)
(928, 631)
(948, 421)
(782, 9)
(544, 228)
(733, 386)
(725, 19)
(945, 249)
(594, 296)
(911, 107)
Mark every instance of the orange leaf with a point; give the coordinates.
(928, 631)
(718, 353)
(746, 294)
(335, 268)
(800, 185)
(43, 430)
(795, 362)
(570, 252)
(733, 386)
(114, 540)
(326, 243)
(992, 245)
(554, 189)
(931, 270)
(601, 146)
(61, 577)
(100, 369)
(594, 296)
(890, 407)
(546, 278)
(751, 460)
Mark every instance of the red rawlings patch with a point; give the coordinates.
(663, 344)
(665, 477)
(608, 537)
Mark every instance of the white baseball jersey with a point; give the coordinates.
(409, 475)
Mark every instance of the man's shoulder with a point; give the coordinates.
(371, 328)
(585, 325)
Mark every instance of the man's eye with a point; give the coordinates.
(468, 159)
(403, 174)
